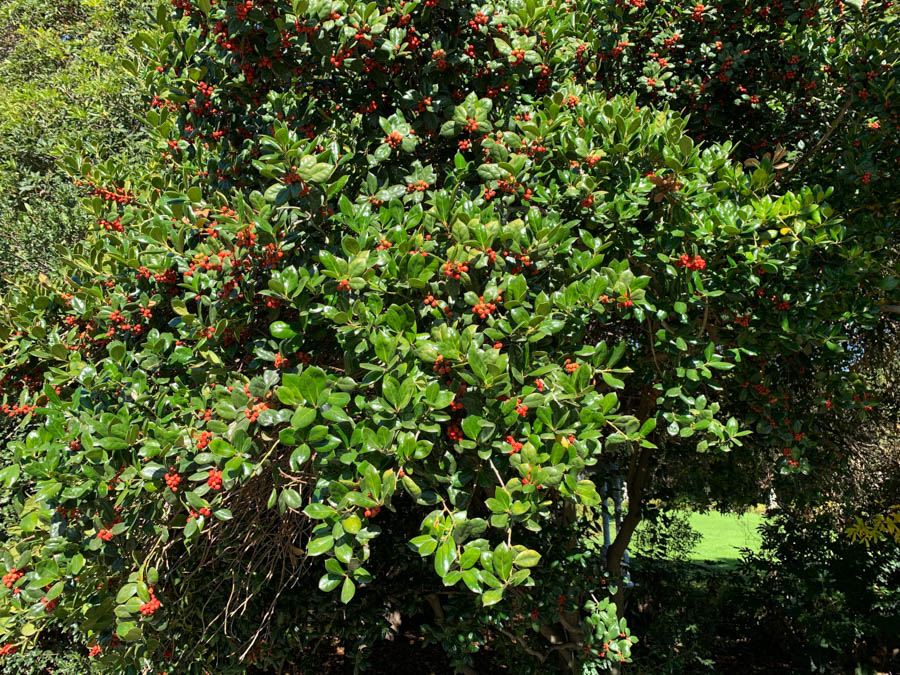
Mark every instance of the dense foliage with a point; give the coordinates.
(63, 90)
(405, 283)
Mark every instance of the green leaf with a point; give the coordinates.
(411, 487)
(503, 561)
(444, 558)
(390, 389)
(303, 417)
(527, 558)
(153, 471)
(318, 173)
(476, 362)
(281, 330)
(319, 511)
(329, 582)
(320, 545)
(126, 592)
(299, 457)
(352, 524)
(8, 476)
(613, 382)
(292, 498)
(312, 384)
(492, 597)
(112, 443)
(348, 590)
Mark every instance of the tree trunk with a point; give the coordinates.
(637, 480)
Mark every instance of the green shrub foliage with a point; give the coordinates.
(62, 89)
(405, 281)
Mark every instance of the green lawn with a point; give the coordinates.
(724, 534)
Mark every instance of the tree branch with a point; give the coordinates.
(831, 129)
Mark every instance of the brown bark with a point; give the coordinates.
(637, 479)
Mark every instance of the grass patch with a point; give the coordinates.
(709, 539)
(724, 534)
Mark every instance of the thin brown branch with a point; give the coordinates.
(828, 132)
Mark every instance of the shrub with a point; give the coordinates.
(389, 351)
(835, 602)
(666, 535)
(62, 90)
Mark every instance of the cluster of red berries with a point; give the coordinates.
(8, 649)
(372, 512)
(151, 606)
(419, 186)
(105, 534)
(205, 436)
(524, 262)
(242, 9)
(170, 276)
(172, 479)
(789, 457)
(514, 444)
(521, 409)
(11, 577)
(292, 177)
(116, 194)
(394, 139)
(215, 479)
(344, 285)
(203, 511)
(570, 366)
(111, 225)
(431, 301)
(695, 263)
(122, 324)
(281, 361)
(272, 254)
(13, 410)
(246, 238)
(252, 414)
(440, 366)
(454, 270)
(454, 432)
(201, 260)
(484, 309)
(67, 514)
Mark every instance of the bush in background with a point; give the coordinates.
(63, 91)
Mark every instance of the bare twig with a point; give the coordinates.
(828, 132)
